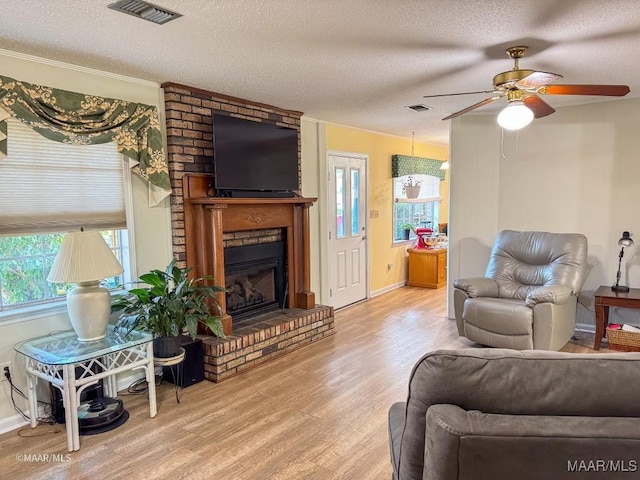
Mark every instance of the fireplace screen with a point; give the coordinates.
(255, 278)
(250, 289)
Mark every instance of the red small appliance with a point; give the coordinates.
(423, 233)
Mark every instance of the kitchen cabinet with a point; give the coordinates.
(427, 267)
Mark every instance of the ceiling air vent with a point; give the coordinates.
(420, 107)
(144, 10)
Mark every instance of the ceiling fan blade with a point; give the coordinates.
(539, 107)
(455, 94)
(537, 79)
(608, 90)
(484, 102)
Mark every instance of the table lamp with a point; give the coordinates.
(625, 241)
(85, 258)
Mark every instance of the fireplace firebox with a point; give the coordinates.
(255, 279)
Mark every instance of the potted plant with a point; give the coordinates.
(171, 304)
(407, 228)
(411, 187)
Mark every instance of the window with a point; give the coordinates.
(422, 211)
(46, 189)
(25, 262)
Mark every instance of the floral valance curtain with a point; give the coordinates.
(406, 165)
(80, 119)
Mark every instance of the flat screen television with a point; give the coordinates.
(254, 156)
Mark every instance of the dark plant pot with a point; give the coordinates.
(166, 347)
(406, 232)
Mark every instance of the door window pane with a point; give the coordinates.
(355, 198)
(340, 202)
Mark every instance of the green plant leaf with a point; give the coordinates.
(142, 294)
(215, 325)
(180, 286)
(153, 279)
(171, 304)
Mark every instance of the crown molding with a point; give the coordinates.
(77, 68)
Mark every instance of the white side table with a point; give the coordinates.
(56, 358)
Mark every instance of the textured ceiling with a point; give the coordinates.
(352, 62)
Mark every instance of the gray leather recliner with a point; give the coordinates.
(528, 296)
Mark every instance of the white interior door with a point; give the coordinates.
(347, 193)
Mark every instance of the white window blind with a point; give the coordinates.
(47, 186)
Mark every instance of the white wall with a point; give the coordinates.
(314, 159)
(577, 170)
(152, 226)
(310, 145)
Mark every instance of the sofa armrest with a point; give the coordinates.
(477, 286)
(556, 294)
(465, 444)
(476, 379)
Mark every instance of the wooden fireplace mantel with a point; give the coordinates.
(208, 218)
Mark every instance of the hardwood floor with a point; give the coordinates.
(318, 413)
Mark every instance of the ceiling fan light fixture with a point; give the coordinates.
(515, 116)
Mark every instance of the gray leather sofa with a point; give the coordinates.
(528, 296)
(497, 414)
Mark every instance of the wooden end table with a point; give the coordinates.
(605, 298)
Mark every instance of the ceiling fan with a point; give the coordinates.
(522, 88)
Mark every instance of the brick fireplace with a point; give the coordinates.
(189, 112)
(271, 309)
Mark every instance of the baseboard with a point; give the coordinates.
(386, 289)
(586, 328)
(127, 378)
(12, 423)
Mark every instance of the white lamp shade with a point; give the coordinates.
(84, 257)
(445, 165)
(515, 116)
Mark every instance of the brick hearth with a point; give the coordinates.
(272, 335)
